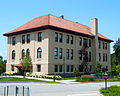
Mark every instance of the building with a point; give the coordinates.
(58, 45)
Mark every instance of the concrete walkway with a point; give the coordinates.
(44, 79)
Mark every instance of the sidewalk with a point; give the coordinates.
(60, 81)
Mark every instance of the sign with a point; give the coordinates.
(105, 76)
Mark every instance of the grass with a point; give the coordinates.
(14, 79)
(111, 91)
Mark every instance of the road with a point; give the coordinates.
(80, 89)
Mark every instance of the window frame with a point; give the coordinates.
(13, 40)
(39, 53)
(55, 53)
(13, 55)
(39, 68)
(60, 53)
(60, 37)
(67, 39)
(71, 39)
(56, 37)
(39, 35)
(67, 54)
(80, 41)
(28, 38)
(23, 39)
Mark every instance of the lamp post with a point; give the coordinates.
(64, 68)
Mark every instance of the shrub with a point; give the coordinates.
(111, 91)
(84, 79)
(39, 75)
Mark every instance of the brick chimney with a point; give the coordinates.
(94, 26)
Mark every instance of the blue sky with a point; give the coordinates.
(14, 13)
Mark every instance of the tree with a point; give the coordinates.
(116, 48)
(75, 71)
(26, 64)
(2, 65)
(118, 68)
(98, 67)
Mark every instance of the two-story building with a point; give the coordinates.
(58, 45)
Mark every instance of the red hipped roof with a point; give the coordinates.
(49, 20)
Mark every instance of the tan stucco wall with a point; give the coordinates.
(48, 44)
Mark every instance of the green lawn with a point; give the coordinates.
(14, 79)
(111, 91)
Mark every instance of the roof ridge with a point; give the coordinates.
(70, 21)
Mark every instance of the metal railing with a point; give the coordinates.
(14, 91)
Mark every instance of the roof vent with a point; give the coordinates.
(62, 16)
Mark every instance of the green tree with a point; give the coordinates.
(2, 65)
(116, 48)
(75, 71)
(98, 67)
(118, 68)
(26, 64)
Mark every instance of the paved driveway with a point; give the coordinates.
(79, 89)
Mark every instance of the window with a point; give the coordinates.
(71, 39)
(60, 53)
(85, 55)
(28, 38)
(67, 53)
(13, 40)
(56, 53)
(23, 39)
(71, 54)
(80, 68)
(90, 68)
(103, 45)
(67, 39)
(39, 36)
(60, 37)
(72, 68)
(68, 68)
(39, 53)
(106, 57)
(56, 68)
(27, 52)
(89, 43)
(106, 69)
(80, 42)
(12, 68)
(85, 43)
(60, 68)
(106, 46)
(89, 56)
(38, 68)
(80, 52)
(13, 54)
(99, 56)
(56, 37)
(103, 57)
(23, 53)
(99, 44)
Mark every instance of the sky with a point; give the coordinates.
(14, 13)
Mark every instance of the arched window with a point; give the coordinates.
(27, 52)
(13, 54)
(23, 53)
(39, 53)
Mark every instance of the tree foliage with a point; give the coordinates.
(115, 57)
(26, 63)
(98, 67)
(2, 65)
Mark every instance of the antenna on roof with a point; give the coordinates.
(61, 16)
